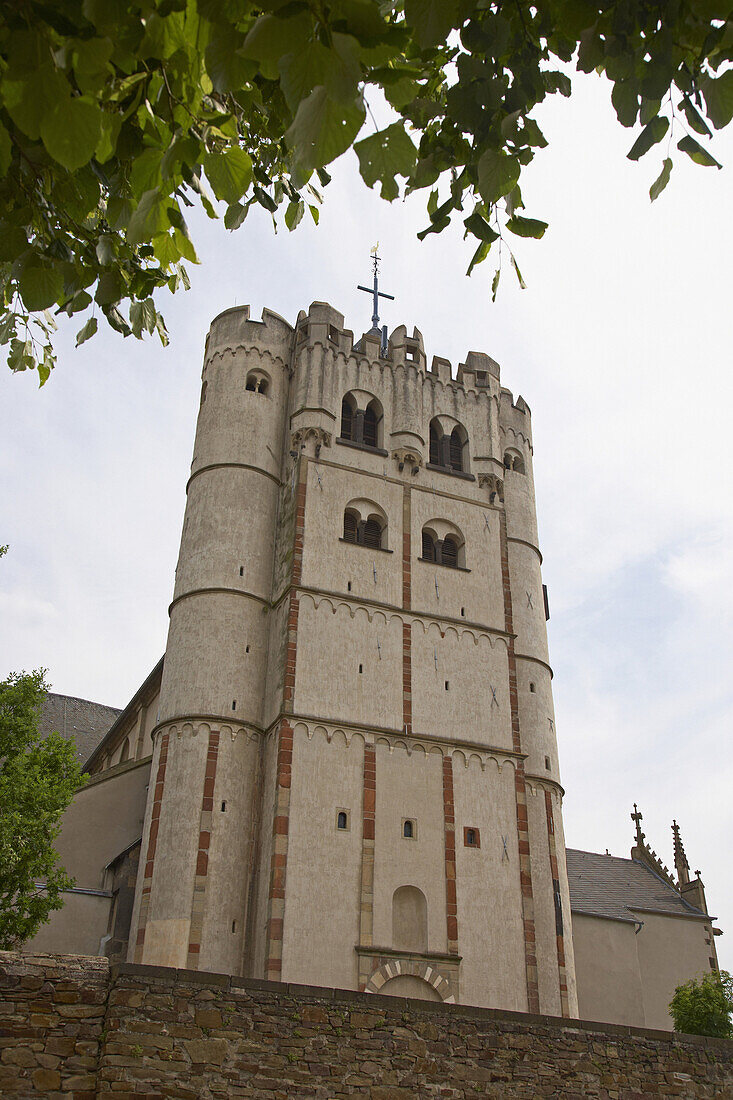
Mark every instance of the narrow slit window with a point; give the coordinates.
(408, 829)
(223, 807)
(234, 704)
(532, 688)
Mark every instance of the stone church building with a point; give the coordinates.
(344, 772)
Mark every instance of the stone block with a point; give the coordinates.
(46, 1079)
(212, 1051)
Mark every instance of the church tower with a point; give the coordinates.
(355, 777)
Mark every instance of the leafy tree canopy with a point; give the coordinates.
(37, 781)
(116, 115)
(704, 1006)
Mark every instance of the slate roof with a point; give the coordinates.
(608, 886)
(81, 719)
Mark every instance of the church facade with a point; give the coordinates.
(354, 778)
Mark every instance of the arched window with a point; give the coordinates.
(351, 527)
(371, 426)
(436, 440)
(373, 533)
(347, 417)
(409, 920)
(449, 555)
(256, 382)
(456, 450)
(342, 820)
(408, 829)
(428, 547)
(514, 461)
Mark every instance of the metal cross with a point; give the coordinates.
(437, 590)
(493, 695)
(529, 600)
(318, 477)
(377, 294)
(435, 658)
(374, 568)
(379, 650)
(504, 853)
(486, 521)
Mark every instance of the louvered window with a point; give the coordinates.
(350, 527)
(456, 450)
(373, 533)
(347, 419)
(370, 427)
(428, 546)
(449, 555)
(436, 457)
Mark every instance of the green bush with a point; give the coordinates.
(703, 1006)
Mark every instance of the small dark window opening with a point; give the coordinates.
(241, 570)
(223, 807)
(234, 926)
(463, 612)
(350, 527)
(234, 704)
(481, 377)
(251, 383)
(471, 837)
(342, 820)
(436, 455)
(408, 830)
(456, 450)
(370, 427)
(428, 546)
(246, 649)
(410, 355)
(532, 688)
(361, 668)
(449, 554)
(373, 533)
(447, 685)
(262, 387)
(547, 763)
(348, 586)
(333, 334)
(347, 419)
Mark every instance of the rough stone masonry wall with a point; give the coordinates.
(71, 1027)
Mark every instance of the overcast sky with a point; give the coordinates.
(621, 345)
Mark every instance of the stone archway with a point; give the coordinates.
(410, 968)
(407, 985)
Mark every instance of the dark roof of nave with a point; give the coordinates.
(609, 886)
(81, 719)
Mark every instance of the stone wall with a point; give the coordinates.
(72, 1027)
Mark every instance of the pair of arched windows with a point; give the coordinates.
(448, 551)
(514, 461)
(369, 532)
(448, 451)
(361, 427)
(256, 382)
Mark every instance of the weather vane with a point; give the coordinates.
(377, 294)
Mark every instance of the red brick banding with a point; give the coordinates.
(449, 817)
(152, 845)
(283, 770)
(368, 819)
(520, 788)
(202, 854)
(559, 922)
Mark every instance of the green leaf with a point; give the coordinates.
(323, 129)
(315, 213)
(149, 218)
(224, 63)
(479, 255)
(431, 20)
(271, 38)
(229, 173)
(495, 283)
(293, 214)
(40, 287)
(694, 118)
(29, 101)
(384, 155)
(302, 70)
(661, 181)
(625, 100)
(475, 223)
(526, 227)
(146, 174)
(718, 93)
(88, 330)
(652, 133)
(6, 150)
(497, 175)
(520, 280)
(111, 124)
(696, 152)
(71, 131)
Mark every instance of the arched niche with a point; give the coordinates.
(407, 985)
(409, 920)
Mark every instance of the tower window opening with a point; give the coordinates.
(428, 547)
(241, 570)
(246, 649)
(342, 820)
(256, 383)
(351, 528)
(333, 334)
(471, 837)
(409, 830)
(449, 555)
(410, 355)
(455, 450)
(532, 688)
(361, 668)
(463, 612)
(251, 384)
(223, 807)
(447, 685)
(348, 586)
(234, 704)
(514, 461)
(371, 426)
(436, 449)
(347, 418)
(547, 763)
(481, 378)
(373, 533)
(234, 926)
